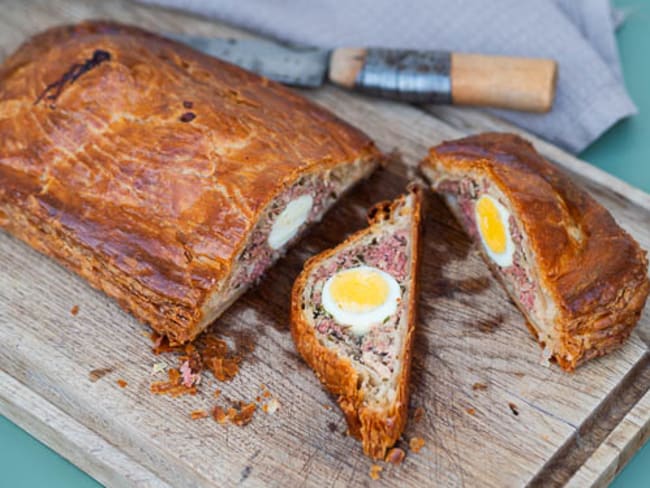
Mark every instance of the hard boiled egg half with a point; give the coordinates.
(361, 297)
(286, 225)
(492, 221)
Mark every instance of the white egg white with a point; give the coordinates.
(286, 224)
(503, 259)
(361, 322)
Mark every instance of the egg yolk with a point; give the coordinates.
(490, 225)
(359, 290)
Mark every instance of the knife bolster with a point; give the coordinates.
(410, 76)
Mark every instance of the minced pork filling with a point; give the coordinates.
(377, 349)
(467, 191)
(258, 255)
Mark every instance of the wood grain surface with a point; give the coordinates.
(578, 428)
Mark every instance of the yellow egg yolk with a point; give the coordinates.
(359, 290)
(490, 225)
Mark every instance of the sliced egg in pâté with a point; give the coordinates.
(286, 225)
(361, 297)
(492, 221)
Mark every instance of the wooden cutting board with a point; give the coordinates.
(578, 428)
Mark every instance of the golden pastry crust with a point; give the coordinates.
(377, 429)
(143, 165)
(595, 272)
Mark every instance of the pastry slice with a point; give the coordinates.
(580, 280)
(353, 316)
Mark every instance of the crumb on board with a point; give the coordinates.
(375, 469)
(198, 414)
(209, 352)
(327, 407)
(219, 414)
(479, 386)
(513, 408)
(173, 386)
(395, 456)
(240, 415)
(217, 393)
(121, 383)
(74, 310)
(471, 410)
(99, 373)
(418, 414)
(416, 443)
(266, 394)
(271, 407)
(244, 415)
(223, 369)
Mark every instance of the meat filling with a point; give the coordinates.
(466, 192)
(378, 349)
(258, 255)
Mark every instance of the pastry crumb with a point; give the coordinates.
(395, 456)
(219, 415)
(74, 310)
(479, 386)
(375, 469)
(238, 416)
(244, 415)
(470, 410)
(416, 443)
(266, 394)
(99, 373)
(327, 407)
(173, 386)
(121, 383)
(513, 408)
(217, 393)
(198, 414)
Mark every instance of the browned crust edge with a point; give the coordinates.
(378, 430)
(178, 314)
(586, 326)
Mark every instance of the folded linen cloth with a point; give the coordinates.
(579, 34)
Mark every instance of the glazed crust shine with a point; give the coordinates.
(378, 429)
(143, 165)
(595, 272)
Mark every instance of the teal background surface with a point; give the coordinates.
(623, 151)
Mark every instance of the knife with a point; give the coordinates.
(439, 77)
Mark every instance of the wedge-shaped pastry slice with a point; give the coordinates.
(166, 178)
(580, 280)
(353, 316)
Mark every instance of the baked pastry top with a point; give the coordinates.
(592, 272)
(144, 165)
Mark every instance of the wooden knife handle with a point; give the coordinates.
(526, 84)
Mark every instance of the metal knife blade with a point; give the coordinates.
(292, 65)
